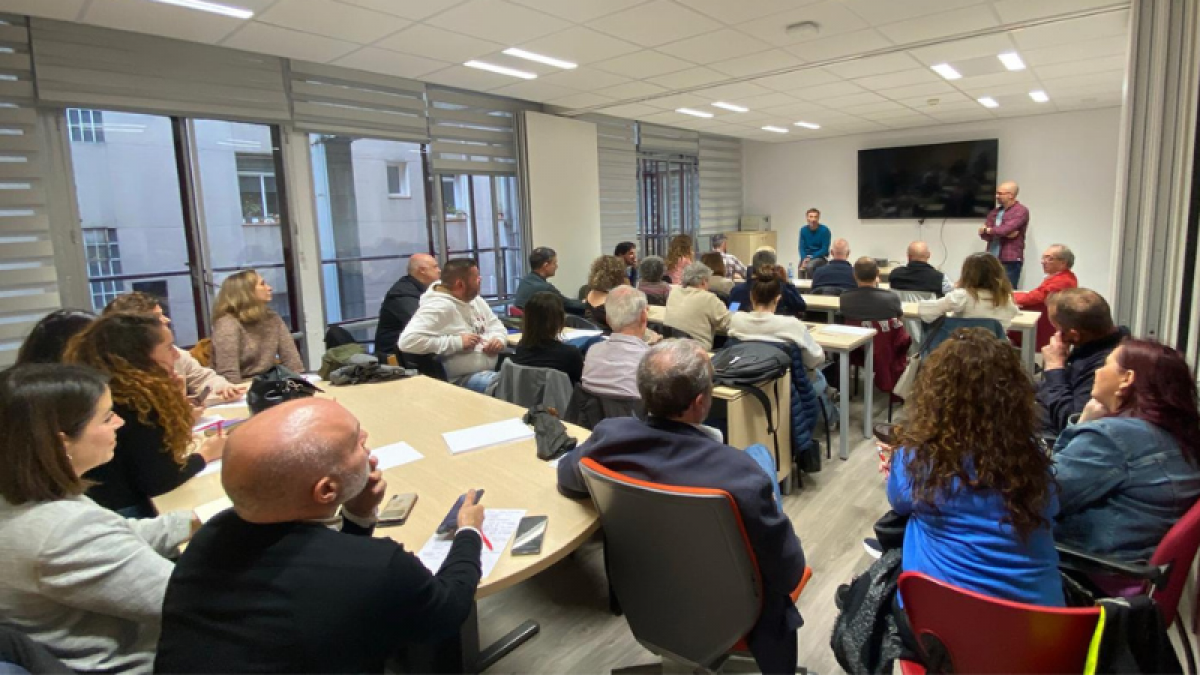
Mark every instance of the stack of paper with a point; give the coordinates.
(395, 455)
(473, 438)
(499, 526)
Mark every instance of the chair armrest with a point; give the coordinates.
(1079, 561)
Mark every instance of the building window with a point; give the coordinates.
(397, 180)
(259, 194)
(104, 262)
(86, 126)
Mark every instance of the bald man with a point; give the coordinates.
(1004, 231)
(270, 586)
(918, 274)
(401, 302)
(838, 273)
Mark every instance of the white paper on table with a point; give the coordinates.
(845, 330)
(499, 526)
(212, 467)
(578, 333)
(554, 462)
(473, 438)
(312, 378)
(240, 402)
(395, 455)
(206, 511)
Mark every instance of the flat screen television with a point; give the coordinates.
(944, 180)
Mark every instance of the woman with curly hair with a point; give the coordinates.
(680, 254)
(970, 477)
(152, 455)
(248, 336)
(1129, 469)
(608, 272)
(982, 292)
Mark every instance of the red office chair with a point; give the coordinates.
(891, 343)
(961, 631)
(515, 312)
(686, 612)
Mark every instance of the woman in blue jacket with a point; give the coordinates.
(1128, 470)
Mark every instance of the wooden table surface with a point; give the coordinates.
(417, 411)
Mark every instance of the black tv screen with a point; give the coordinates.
(945, 180)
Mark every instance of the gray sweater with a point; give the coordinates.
(85, 582)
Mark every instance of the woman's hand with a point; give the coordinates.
(213, 447)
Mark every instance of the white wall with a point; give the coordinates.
(564, 194)
(1065, 163)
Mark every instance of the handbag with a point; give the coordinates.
(277, 385)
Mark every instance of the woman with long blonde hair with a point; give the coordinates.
(680, 254)
(248, 336)
(153, 454)
(982, 292)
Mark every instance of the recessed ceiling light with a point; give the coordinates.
(988, 102)
(1039, 96)
(693, 113)
(511, 72)
(548, 60)
(730, 106)
(778, 130)
(947, 71)
(1012, 61)
(215, 8)
(808, 125)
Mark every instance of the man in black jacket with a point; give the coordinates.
(1085, 336)
(401, 302)
(869, 302)
(838, 272)
(918, 274)
(268, 586)
(543, 264)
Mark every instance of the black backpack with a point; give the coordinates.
(746, 365)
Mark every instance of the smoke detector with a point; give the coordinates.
(803, 28)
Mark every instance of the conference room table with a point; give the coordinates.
(417, 411)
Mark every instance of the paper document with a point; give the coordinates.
(473, 438)
(238, 403)
(833, 329)
(577, 333)
(211, 467)
(554, 462)
(395, 455)
(499, 526)
(206, 511)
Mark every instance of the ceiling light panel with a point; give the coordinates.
(694, 113)
(211, 7)
(491, 67)
(988, 102)
(947, 71)
(540, 58)
(777, 130)
(1012, 61)
(730, 107)
(808, 125)
(1039, 96)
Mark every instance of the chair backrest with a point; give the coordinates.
(1175, 552)
(529, 386)
(515, 312)
(587, 409)
(891, 343)
(680, 563)
(951, 324)
(426, 364)
(914, 296)
(827, 290)
(963, 631)
(336, 336)
(574, 321)
(914, 326)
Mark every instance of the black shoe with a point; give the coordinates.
(873, 548)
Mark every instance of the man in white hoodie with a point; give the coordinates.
(454, 323)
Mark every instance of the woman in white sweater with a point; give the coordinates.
(982, 292)
(75, 577)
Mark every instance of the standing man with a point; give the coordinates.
(1004, 231)
(815, 239)
(543, 264)
(401, 302)
(734, 269)
(627, 251)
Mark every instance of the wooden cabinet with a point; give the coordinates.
(744, 244)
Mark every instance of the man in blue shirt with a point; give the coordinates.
(814, 243)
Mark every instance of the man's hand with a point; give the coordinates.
(470, 514)
(470, 340)
(231, 393)
(493, 347)
(983, 229)
(1094, 410)
(1054, 354)
(363, 504)
(1013, 234)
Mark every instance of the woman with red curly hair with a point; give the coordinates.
(970, 477)
(152, 455)
(1129, 468)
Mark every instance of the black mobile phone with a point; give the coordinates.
(450, 522)
(530, 532)
(200, 398)
(398, 508)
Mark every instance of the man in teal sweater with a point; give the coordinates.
(814, 242)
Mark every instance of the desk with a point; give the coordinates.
(418, 410)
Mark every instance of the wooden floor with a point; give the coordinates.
(832, 514)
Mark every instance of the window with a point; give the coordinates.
(397, 180)
(256, 182)
(481, 222)
(103, 254)
(669, 195)
(86, 126)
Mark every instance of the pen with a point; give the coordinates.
(220, 426)
(486, 543)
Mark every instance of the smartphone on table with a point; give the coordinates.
(398, 509)
(530, 532)
(450, 522)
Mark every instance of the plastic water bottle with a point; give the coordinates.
(791, 271)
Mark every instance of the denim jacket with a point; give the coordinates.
(1123, 483)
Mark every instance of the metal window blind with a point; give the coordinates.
(329, 99)
(616, 139)
(472, 133)
(28, 280)
(94, 67)
(659, 140)
(720, 184)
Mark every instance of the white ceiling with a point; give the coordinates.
(644, 58)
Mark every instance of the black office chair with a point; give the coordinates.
(581, 323)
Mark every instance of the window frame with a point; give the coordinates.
(402, 180)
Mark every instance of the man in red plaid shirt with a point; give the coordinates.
(1004, 231)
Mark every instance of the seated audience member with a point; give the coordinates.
(652, 271)
(694, 310)
(627, 252)
(152, 455)
(791, 303)
(1057, 262)
(680, 254)
(540, 346)
(80, 580)
(814, 243)
(838, 272)
(734, 269)
(607, 273)
(308, 598)
(248, 336)
(195, 377)
(1085, 337)
(48, 339)
(609, 368)
(970, 477)
(676, 384)
(456, 324)
(982, 292)
(1129, 469)
(543, 263)
(869, 302)
(401, 302)
(918, 274)
(720, 283)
